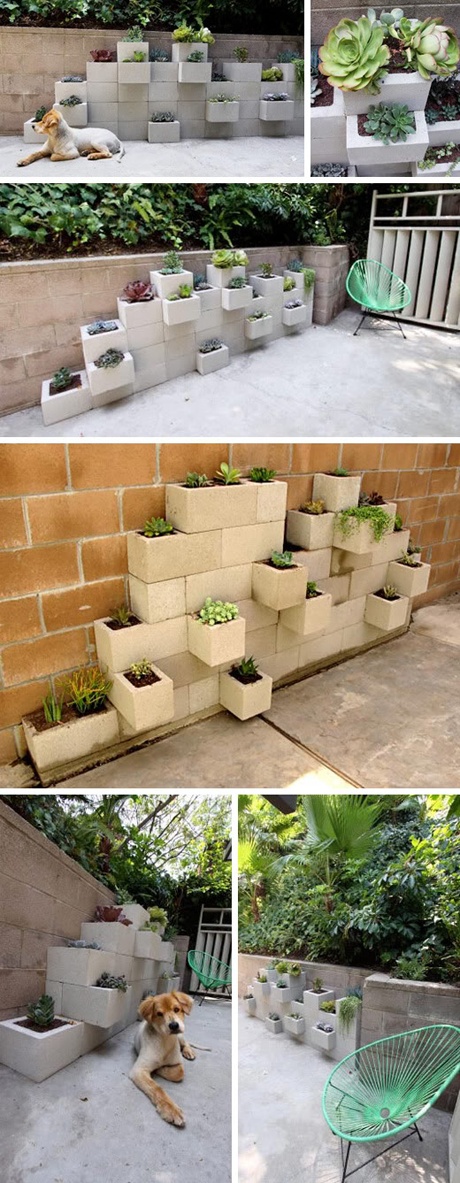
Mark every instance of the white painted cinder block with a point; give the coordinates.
(79, 966)
(111, 936)
(38, 1055)
(95, 1004)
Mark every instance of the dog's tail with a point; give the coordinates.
(120, 154)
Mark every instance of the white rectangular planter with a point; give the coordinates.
(211, 508)
(210, 300)
(39, 1055)
(144, 707)
(138, 916)
(369, 151)
(95, 1004)
(409, 581)
(119, 648)
(385, 614)
(228, 112)
(242, 700)
(438, 170)
(242, 71)
(164, 71)
(97, 343)
(310, 617)
(31, 136)
(102, 380)
(294, 1026)
(67, 742)
(323, 1039)
(410, 89)
(195, 72)
(274, 1025)
(168, 983)
(262, 327)
(278, 588)
(220, 277)
(148, 944)
(81, 967)
(251, 1005)
(233, 298)
(133, 73)
(181, 50)
(295, 316)
(164, 133)
(276, 111)
(216, 644)
(337, 492)
(442, 131)
(125, 49)
(272, 288)
(75, 116)
(309, 530)
(261, 989)
(65, 90)
(167, 285)
(135, 316)
(66, 403)
(312, 1000)
(177, 312)
(207, 363)
(360, 540)
(110, 935)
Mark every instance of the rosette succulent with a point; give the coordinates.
(354, 56)
(429, 47)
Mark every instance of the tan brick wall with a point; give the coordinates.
(31, 60)
(55, 580)
(44, 897)
(326, 13)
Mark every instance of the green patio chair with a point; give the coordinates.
(211, 973)
(377, 290)
(387, 1086)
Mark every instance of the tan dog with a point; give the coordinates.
(161, 1045)
(68, 143)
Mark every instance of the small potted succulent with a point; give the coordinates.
(66, 394)
(273, 1023)
(167, 280)
(280, 991)
(261, 985)
(210, 297)
(240, 70)
(291, 972)
(102, 334)
(122, 638)
(222, 108)
(137, 307)
(73, 722)
(195, 68)
(225, 265)
(202, 504)
(133, 58)
(266, 283)
(313, 615)
(386, 609)
(323, 1035)
(31, 136)
(187, 39)
(163, 128)
(389, 133)
(311, 526)
(409, 576)
(216, 633)
(337, 489)
(212, 355)
(39, 1043)
(238, 294)
(258, 324)
(279, 582)
(276, 106)
(73, 109)
(102, 68)
(251, 1003)
(143, 695)
(181, 306)
(111, 376)
(244, 690)
(294, 1023)
(157, 552)
(295, 312)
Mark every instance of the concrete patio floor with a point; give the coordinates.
(388, 718)
(283, 1134)
(325, 382)
(204, 160)
(90, 1123)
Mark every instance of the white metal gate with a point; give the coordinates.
(423, 250)
(214, 937)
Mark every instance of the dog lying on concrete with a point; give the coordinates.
(68, 143)
(161, 1047)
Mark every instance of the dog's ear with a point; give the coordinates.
(147, 1008)
(185, 1001)
(51, 119)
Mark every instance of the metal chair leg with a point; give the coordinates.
(345, 1164)
(355, 334)
(398, 322)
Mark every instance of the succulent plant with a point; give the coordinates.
(137, 292)
(431, 48)
(354, 56)
(313, 507)
(40, 112)
(62, 379)
(315, 90)
(102, 55)
(101, 326)
(211, 345)
(121, 616)
(163, 117)
(41, 1013)
(281, 559)
(172, 264)
(390, 123)
(237, 283)
(140, 669)
(196, 480)
(158, 55)
(226, 475)
(282, 97)
(134, 34)
(229, 258)
(72, 101)
(217, 612)
(274, 74)
(109, 359)
(196, 56)
(240, 53)
(293, 304)
(156, 527)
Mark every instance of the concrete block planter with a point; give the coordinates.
(103, 381)
(294, 1026)
(164, 133)
(97, 343)
(409, 581)
(309, 530)
(295, 316)
(337, 492)
(271, 500)
(233, 298)
(271, 288)
(131, 73)
(312, 616)
(220, 277)
(207, 363)
(438, 170)
(276, 111)
(278, 588)
(126, 49)
(154, 560)
(181, 50)
(312, 1000)
(66, 742)
(442, 131)
(65, 90)
(177, 312)
(168, 982)
(95, 1004)
(242, 71)
(31, 136)
(245, 700)
(135, 316)
(144, 707)
(216, 644)
(360, 540)
(386, 614)
(195, 72)
(167, 951)
(118, 648)
(228, 112)
(261, 989)
(410, 89)
(280, 994)
(210, 300)
(328, 130)
(65, 403)
(137, 914)
(112, 936)
(80, 967)
(262, 327)
(211, 508)
(370, 152)
(102, 71)
(323, 1039)
(167, 285)
(251, 1005)
(38, 1055)
(148, 944)
(274, 1025)
(164, 71)
(75, 116)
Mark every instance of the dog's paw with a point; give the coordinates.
(173, 1115)
(187, 1052)
(21, 163)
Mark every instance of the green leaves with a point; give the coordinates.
(391, 123)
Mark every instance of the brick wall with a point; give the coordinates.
(32, 59)
(66, 509)
(326, 13)
(44, 897)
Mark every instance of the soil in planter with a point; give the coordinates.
(362, 120)
(443, 102)
(246, 679)
(44, 1030)
(326, 98)
(69, 715)
(268, 563)
(115, 624)
(389, 599)
(146, 680)
(452, 157)
(73, 385)
(397, 63)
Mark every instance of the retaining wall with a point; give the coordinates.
(326, 13)
(44, 897)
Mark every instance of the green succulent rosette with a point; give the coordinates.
(354, 57)
(431, 48)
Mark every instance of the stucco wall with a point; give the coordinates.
(44, 897)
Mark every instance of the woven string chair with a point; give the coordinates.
(377, 290)
(386, 1087)
(211, 973)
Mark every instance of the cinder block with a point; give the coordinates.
(119, 649)
(278, 589)
(196, 510)
(355, 635)
(184, 669)
(94, 1004)
(348, 613)
(146, 338)
(271, 501)
(144, 379)
(204, 694)
(251, 543)
(101, 73)
(391, 547)
(320, 648)
(279, 665)
(111, 936)
(79, 966)
(257, 616)
(35, 1055)
(318, 563)
(368, 580)
(215, 645)
(285, 639)
(338, 586)
(229, 583)
(155, 602)
(135, 130)
(133, 112)
(144, 707)
(102, 92)
(99, 113)
(262, 642)
(164, 92)
(133, 94)
(174, 555)
(336, 492)
(177, 367)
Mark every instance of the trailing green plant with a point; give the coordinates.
(437, 155)
(349, 520)
(140, 669)
(274, 74)
(156, 528)
(172, 264)
(52, 709)
(112, 982)
(347, 1012)
(262, 476)
(299, 72)
(101, 326)
(211, 345)
(196, 480)
(281, 559)
(390, 123)
(217, 612)
(354, 55)
(86, 690)
(110, 359)
(41, 1012)
(240, 53)
(138, 291)
(226, 475)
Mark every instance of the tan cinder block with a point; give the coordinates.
(181, 702)
(278, 588)
(245, 701)
(386, 614)
(229, 583)
(355, 635)
(155, 602)
(343, 615)
(250, 542)
(320, 648)
(279, 665)
(216, 644)
(410, 581)
(157, 559)
(184, 668)
(144, 707)
(391, 547)
(312, 531)
(318, 563)
(256, 616)
(338, 586)
(118, 649)
(336, 492)
(271, 501)
(197, 510)
(310, 617)
(342, 561)
(71, 741)
(262, 642)
(285, 638)
(368, 580)
(204, 694)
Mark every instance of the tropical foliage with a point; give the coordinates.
(357, 879)
(229, 16)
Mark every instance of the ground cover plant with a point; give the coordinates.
(363, 881)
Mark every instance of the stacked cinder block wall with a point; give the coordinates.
(67, 508)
